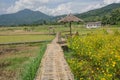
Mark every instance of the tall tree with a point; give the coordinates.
(115, 16)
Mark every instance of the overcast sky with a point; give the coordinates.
(53, 7)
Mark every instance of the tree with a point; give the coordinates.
(115, 16)
(106, 19)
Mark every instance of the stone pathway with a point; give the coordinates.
(54, 65)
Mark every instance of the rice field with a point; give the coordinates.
(25, 38)
(14, 59)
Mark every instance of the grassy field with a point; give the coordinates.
(14, 59)
(24, 34)
(20, 62)
(41, 33)
(44, 29)
(25, 38)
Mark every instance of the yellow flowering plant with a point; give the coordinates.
(96, 56)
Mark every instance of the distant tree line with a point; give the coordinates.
(113, 18)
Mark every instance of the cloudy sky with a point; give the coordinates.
(53, 7)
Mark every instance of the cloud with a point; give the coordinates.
(99, 5)
(42, 5)
(59, 10)
(22, 4)
(111, 1)
(59, 7)
(91, 7)
(3, 7)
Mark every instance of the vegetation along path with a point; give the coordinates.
(54, 65)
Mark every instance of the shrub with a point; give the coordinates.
(95, 57)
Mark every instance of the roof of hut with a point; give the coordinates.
(70, 18)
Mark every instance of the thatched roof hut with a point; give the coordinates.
(70, 18)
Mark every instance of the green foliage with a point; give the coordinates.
(30, 69)
(106, 19)
(113, 18)
(97, 14)
(96, 56)
(116, 32)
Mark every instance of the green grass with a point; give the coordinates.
(41, 28)
(25, 38)
(10, 34)
(27, 59)
(30, 69)
(14, 58)
(21, 63)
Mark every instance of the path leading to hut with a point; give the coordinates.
(54, 65)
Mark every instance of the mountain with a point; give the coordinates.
(97, 14)
(25, 16)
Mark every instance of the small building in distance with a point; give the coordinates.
(93, 24)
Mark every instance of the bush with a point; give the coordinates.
(95, 57)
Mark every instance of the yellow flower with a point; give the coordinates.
(111, 59)
(102, 79)
(81, 78)
(107, 65)
(97, 68)
(103, 71)
(92, 71)
(113, 64)
(109, 75)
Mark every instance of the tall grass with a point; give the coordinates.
(30, 69)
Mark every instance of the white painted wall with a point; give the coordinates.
(93, 25)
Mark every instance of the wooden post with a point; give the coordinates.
(70, 29)
(59, 37)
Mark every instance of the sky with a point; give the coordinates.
(53, 7)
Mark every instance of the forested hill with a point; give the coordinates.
(25, 16)
(97, 14)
